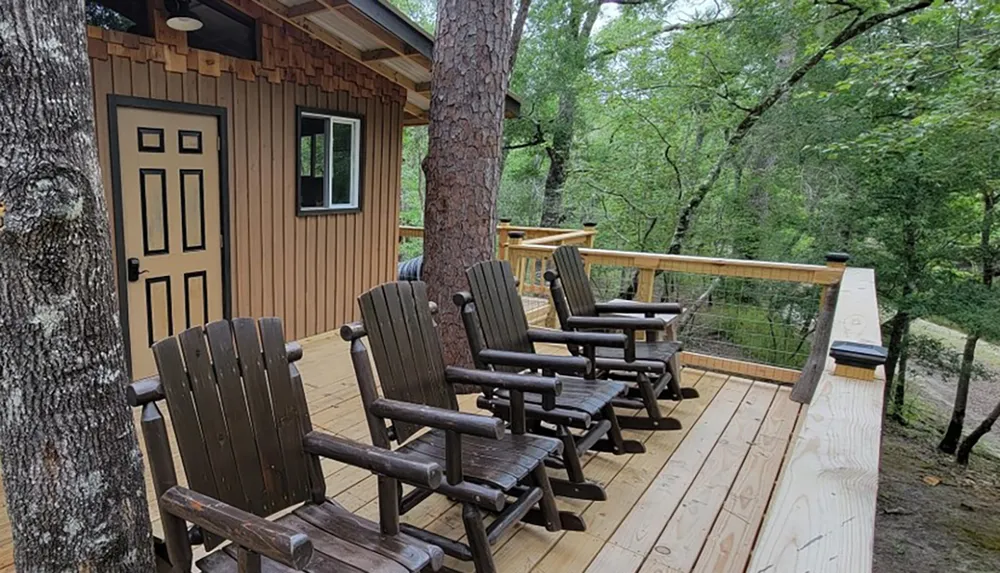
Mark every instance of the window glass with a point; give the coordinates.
(329, 162)
(341, 136)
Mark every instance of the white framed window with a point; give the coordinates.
(329, 158)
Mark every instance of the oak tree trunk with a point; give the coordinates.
(72, 470)
(899, 388)
(957, 423)
(970, 441)
(954, 432)
(578, 28)
(464, 150)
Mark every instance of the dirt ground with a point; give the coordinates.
(953, 526)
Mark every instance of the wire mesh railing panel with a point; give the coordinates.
(753, 320)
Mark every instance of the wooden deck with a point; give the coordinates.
(693, 502)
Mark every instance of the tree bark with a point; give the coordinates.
(957, 423)
(965, 450)
(574, 61)
(558, 152)
(72, 469)
(896, 326)
(520, 19)
(899, 389)
(464, 152)
(954, 432)
(856, 28)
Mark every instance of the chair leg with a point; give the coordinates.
(649, 397)
(548, 502)
(475, 530)
(615, 443)
(570, 458)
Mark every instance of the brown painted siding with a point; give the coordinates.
(307, 270)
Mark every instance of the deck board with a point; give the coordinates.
(693, 502)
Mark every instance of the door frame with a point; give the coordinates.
(116, 101)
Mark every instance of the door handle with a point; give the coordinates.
(133, 270)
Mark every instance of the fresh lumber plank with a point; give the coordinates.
(732, 536)
(635, 537)
(822, 517)
(681, 541)
(631, 475)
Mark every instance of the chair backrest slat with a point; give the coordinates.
(406, 348)
(251, 360)
(212, 417)
(288, 412)
(239, 415)
(499, 308)
(576, 284)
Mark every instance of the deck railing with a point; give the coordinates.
(751, 318)
(821, 516)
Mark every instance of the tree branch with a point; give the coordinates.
(678, 27)
(858, 26)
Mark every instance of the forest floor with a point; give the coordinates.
(934, 515)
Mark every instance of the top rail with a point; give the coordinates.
(822, 516)
(561, 238)
(768, 270)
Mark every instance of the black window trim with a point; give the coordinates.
(314, 211)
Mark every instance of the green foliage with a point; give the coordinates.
(884, 149)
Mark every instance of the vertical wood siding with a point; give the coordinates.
(307, 270)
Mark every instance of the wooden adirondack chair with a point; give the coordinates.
(484, 464)
(652, 365)
(248, 449)
(500, 340)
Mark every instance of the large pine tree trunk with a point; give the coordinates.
(72, 470)
(463, 159)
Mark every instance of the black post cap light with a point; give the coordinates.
(856, 359)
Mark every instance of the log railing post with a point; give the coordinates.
(503, 231)
(816, 362)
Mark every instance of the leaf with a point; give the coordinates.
(932, 480)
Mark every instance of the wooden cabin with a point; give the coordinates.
(252, 166)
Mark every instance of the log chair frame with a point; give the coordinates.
(508, 346)
(227, 502)
(419, 405)
(654, 376)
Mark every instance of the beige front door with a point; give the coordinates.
(169, 166)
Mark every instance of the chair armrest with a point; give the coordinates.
(604, 340)
(378, 460)
(643, 366)
(245, 529)
(615, 322)
(503, 380)
(461, 422)
(635, 307)
(570, 365)
(144, 391)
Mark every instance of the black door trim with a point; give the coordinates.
(116, 101)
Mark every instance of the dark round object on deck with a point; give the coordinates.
(505, 219)
(589, 224)
(516, 234)
(837, 257)
(410, 270)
